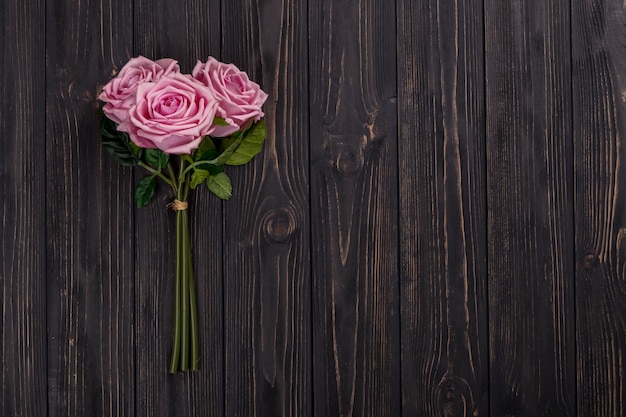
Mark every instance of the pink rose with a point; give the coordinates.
(240, 99)
(119, 93)
(173, 114)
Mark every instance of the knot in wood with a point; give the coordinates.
(453, 396)
(279, 225)
(589, 260)
(349, 160)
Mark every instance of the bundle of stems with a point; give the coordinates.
(186, 340)
(205, 165)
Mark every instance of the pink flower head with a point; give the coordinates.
(172, 114)
(119, 93)
(239, 99)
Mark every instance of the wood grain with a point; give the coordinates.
(23, 371)
(457, 251)
(599, 97)
(442, 209)
(186, 31)
(530, 220)
(266, 223)
(89, 219)
(354, 207)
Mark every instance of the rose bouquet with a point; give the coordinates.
(182, 129)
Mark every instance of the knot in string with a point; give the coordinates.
(178, 205)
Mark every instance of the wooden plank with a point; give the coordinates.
(186, 31)
(530, 220)
(354, 208)
(599, 99)
(442, 209)
(22, 221)
(89, 219)
(266, 232)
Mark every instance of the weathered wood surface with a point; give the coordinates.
(23, 356)
(267, 287)
(89, 234)
(442, 212)
(356, 357)
(436, 226)
(599, 113)
(530, 216)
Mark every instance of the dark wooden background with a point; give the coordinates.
(436, 226)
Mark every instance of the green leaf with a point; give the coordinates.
(228, 141)
(198, 177)
(136, 149)
(118, 144)
(209, 165)
(108, 128)
(250, 146)
(144, 191)
(206, 145)
(229, 145)
(218, 121)
(220, 185)
(209, 155)
(215, 169)
(157, 158)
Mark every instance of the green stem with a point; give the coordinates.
(157, 173)
(170, 171)
(186, 329)
(185, 270)
(193, 305)
(178, 293)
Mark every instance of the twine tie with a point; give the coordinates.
(178, 205)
